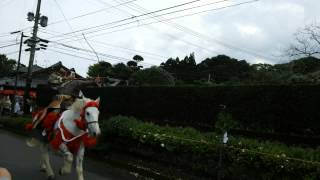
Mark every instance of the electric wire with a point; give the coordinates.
(103, 44)
(134, 17)
(206, 37)
(9, 45)
(124, 24)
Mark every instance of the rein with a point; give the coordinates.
(80, 123)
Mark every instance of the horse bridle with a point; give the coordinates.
(89, 104)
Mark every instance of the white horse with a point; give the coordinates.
(70, 135)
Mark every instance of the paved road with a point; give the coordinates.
(23, 162)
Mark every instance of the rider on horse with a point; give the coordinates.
(68, 88)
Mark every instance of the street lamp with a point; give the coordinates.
(31, 16)
(44, 21)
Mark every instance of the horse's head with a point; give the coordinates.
(90, 115)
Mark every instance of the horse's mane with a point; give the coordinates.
(79, 103)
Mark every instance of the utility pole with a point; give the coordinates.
(33, 43)
(17, 69)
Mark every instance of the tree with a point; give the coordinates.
(132, 64)
(305, 65)
(307, 42)
(154, 76)
(100, 69)
(121, 71)
(222, 68)
(7, 66)
(183, 70)
(137, 58)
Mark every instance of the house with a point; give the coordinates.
(39, 75)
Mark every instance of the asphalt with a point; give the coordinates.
(23, 162)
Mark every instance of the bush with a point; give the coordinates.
(242, 158)
(16, 124)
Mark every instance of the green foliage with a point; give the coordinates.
(137, 58)
(119, 70)
(223, 68)
(225, 122)
(248, 158)
(183, 70)
(100, 69)
(153, 76)
(7, 66)
(16, 123)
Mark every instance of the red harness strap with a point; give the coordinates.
(81, 123)
(74, 145)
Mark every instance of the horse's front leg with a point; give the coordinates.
(44, 148)
(68, 158)
(79, 162)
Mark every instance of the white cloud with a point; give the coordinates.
(264, 27)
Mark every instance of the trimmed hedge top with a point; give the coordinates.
(283, 109)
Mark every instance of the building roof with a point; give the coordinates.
(35, 68)
(55, 68)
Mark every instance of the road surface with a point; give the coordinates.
(23, 162)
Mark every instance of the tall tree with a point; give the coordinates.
(137, 58)
(7, 66)
(121, 71)
(102, 68)
(154, 76)
(222, 68)
(307, 42)
(183, 70)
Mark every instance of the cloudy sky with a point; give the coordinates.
(257, 31)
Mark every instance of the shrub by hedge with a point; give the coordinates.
(16, 124)
(199, 152)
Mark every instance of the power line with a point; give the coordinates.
(93, 12)
(9, 45)
(73, 55)
(134, 17)
(10, 53)
(91, 47)
(2, 42)
(191, 14)
(103, 44)
(178, 17)
(233, 5)
(199, 35)
(77, 17)
(66, 20)
(117, 58)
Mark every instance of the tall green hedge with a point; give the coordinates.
(286, 109)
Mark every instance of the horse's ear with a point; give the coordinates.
(98, 100)
(81, 94)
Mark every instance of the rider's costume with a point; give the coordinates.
(67, 93)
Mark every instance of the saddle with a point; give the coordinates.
(45, 119)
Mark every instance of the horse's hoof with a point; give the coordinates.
(50, 178)
(42, 170)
